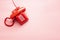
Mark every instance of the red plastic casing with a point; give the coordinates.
(22, 18)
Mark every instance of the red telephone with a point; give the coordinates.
(17, 14)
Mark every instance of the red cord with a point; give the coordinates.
(14, 3)
(8, 24)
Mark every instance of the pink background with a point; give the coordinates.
(43, 24)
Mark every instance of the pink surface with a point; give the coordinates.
(43, 24)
